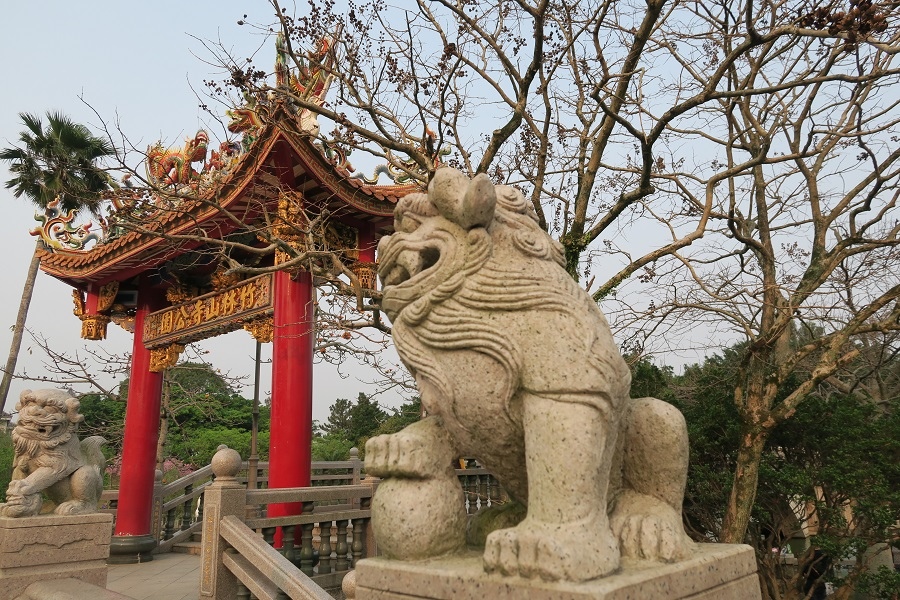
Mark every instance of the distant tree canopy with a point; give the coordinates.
(833, 470)
(7, 453)
(103, 416)
(351, 423)
(200, 411)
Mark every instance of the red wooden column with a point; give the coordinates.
(365, 262)
(292, 363)
(133, 540)
(367, 245)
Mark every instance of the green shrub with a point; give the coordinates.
(7, 454)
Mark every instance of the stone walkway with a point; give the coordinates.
(169, 576)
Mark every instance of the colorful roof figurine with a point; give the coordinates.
(196, 194)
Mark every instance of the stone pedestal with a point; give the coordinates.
(715, 572)
(53, 547)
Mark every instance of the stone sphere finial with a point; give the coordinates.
(226, 463)
(348, 585)
(354, 453)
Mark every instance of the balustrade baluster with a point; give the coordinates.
(269, 535)
(306, 549)
(494, 490)
(307, 556)
(482, 491)
(359, 529)
(341, 546)
(170, 524)
(242, 592)
(200, 509)
(287, 544)
(462, 484)
(186, 516)
(324, 547)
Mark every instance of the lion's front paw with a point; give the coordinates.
(17, 487)
(569, 551)
(650, 529)
(400, 454)
(21, 506)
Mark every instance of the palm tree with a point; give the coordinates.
(60, 161)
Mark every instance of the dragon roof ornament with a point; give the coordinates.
(178, 176)
(57, 231)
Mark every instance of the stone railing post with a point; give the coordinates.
(369, 536)
(225, 496)
(357, 465)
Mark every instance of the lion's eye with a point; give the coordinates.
(407, 225)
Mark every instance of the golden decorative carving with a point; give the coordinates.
(262, 330)
(342, 239)
(291, 219)
(107, 296)
(122, 317)
(210, 314)
(365, 273)
(78, 299)
(93, 327)
(282, 256)
(163, 358)
(220, 279)
(180, 293)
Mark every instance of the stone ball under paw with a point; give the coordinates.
(418, 518)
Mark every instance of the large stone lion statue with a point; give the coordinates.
(49, 459)
(516, 367)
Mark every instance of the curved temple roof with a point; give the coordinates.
(233, 199)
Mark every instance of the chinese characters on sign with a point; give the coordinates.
(210, 315)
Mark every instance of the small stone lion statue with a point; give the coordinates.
(517, 368)
(49, 458)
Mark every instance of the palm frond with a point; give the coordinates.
(59, 161)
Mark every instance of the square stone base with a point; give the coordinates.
(715, 572)
(53, 547)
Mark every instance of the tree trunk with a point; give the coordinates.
(19, 328)
(743, 490)
(163, 422)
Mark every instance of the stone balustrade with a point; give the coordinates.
(178, 506)
(315, 548)
(480, 489)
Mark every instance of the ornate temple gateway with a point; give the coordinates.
(207, 250)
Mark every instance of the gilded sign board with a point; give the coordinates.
(211, 314)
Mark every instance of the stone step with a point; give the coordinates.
(191, 547)
(197, 536)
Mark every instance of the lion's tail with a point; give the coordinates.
(93, 455)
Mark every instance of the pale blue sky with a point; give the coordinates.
(136, 64)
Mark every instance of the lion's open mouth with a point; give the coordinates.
(47, 429)
(409, 263)
(397, 275)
